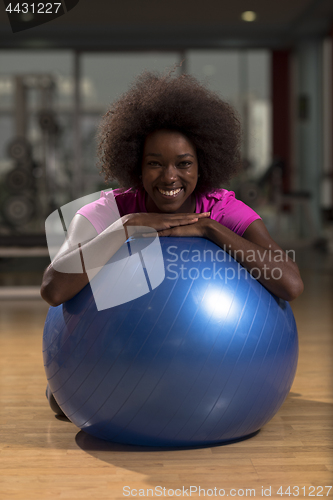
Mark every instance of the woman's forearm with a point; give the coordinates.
(72, 270)
(58, 287)
(269, 264)
(80, 260)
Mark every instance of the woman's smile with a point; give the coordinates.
(170, 193)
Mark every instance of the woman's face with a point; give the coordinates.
(169, 172)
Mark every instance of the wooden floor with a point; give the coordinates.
(42, 457)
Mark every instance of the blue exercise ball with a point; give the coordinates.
(206, 356)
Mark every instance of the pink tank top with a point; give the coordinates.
(221, 203)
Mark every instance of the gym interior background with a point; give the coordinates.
(56, 81)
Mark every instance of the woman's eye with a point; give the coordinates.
(153, 164)
(185, 164)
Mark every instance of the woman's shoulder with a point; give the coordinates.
(128, 200)
(111, 205)
(108, 197)
(228, 210)
(121, 192)
(121, 195)
(220, 196)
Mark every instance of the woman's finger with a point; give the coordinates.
(186, 216)
(185, 222)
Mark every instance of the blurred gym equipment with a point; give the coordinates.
(293, 206)
(29, 187)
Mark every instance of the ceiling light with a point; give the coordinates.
(249, 16)
(27, 17)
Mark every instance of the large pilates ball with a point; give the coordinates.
(207, 356)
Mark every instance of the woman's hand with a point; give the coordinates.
(198, 228)
(165, 222)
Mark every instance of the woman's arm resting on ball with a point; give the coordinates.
(255, 250)
(83, 250)
(260, 255)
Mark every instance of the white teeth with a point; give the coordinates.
(170, 193)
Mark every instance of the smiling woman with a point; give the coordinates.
(180, 104)
(170, 143)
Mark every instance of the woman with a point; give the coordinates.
(171, 144)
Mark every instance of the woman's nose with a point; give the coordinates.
(169, 174)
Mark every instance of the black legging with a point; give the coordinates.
(53, 404)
